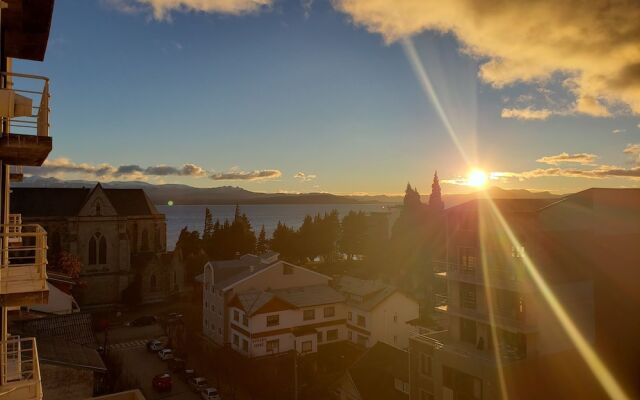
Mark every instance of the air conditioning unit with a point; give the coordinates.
(14, 105)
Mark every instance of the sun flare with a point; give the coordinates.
(477, 178)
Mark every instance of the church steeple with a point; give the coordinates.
(435, 199)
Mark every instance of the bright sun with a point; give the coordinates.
(477, 178)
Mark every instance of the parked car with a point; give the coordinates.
(177, 364)
(142, 321)
(210, 394)
(162, 382)
(198, 383)
(155, 345)
(165, 354)
(189, 373)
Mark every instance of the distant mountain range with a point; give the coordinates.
(185, 194)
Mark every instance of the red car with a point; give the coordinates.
(162, 382)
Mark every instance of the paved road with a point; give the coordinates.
(143, 366)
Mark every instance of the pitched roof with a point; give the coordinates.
(76, 328)
(375, 372)
(67, 202)
(56, 350)
(306, 296)
(298, 297)
(364, 294)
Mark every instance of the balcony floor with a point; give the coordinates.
(30, 150)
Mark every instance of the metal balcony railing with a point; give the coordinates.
(35, 88)
(23, 259)
(20, 369)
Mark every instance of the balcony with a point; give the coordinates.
(20, 370)
(468, 353)
(514, 277)
(23, 274)
(26, 139)
(522, 324)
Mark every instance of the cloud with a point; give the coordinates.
(65, 166)
(62, 165)
(593, 50)
(527, 113)
(247, 175)
(564, 157)
(602, 171)
(161, 9)
(618, 131)
(124, 6)
(301, 176)
(633, 150)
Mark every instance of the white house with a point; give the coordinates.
(279, 320)
(377, 312)
(222, 280)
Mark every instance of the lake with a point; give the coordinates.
(179, 216)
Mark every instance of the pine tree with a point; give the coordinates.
(411, 198)
(208, 225)
(261, 246)
(435, 199)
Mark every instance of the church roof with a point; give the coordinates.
(67, 202)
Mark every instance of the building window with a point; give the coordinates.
(307, 346)
(236, 315)
(329, 312)
(425, 364)
(467, 259)
(467, 295)
(245, 320)
(309, 315)
(468, 330)
(332, 335)
(153, 284)
(97, 249)
(245, 346)
(273, 346)
(144, 246)
(273, 320)
(361, 320)
(319, 336)
(236, 340)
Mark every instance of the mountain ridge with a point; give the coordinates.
(181, 194)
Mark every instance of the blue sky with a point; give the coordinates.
(289, 92)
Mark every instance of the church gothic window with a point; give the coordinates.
(97, 249)
(144, 246)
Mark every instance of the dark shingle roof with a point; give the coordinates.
(56, 350)
(375, 372)
(67, 202)
(76, 328)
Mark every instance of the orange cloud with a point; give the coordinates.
(596, 48)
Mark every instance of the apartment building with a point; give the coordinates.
(500, 322)
(24, 109)
(376, 312)
(269, 322)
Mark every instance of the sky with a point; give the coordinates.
(345, 96)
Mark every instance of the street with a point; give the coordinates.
(142, 365)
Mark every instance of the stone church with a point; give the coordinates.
(118, 235)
